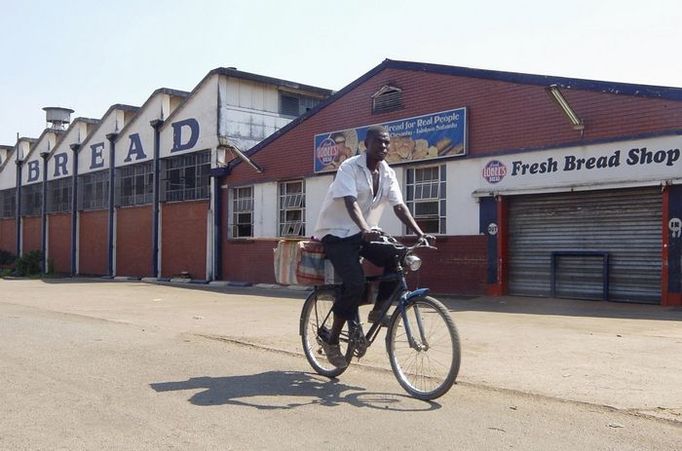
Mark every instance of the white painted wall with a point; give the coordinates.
(127, 147)
(315, 192)
(629, 170)
(8, 174)
(249, 111)
(202, 107)
(76, 132)
(32, 171)
(265, 210)
(462, 209)
(87, 161)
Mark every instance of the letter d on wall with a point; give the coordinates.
(193, 131)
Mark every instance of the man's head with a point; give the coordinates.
(377, 141)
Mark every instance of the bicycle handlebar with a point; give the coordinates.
(421, 242)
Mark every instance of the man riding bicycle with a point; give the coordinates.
(347, 226)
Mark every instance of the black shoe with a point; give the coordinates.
(375, 315)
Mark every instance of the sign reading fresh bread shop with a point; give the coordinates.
(642, 160)
(431, 136)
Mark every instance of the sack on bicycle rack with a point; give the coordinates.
(310, 269)
(299, 262)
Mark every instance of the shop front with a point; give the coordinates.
(595, 222)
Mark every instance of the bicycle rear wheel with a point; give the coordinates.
(426, 362)
(316, 321)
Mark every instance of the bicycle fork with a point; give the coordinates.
(422, 344)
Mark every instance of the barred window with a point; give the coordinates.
(242, 212)
(93, 190)
(32, 199)
(292, 208)
(8, 203)
(59, 195)
(426, 197)
(186, 177)
(135, 184)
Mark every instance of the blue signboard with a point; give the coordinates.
(431, 136)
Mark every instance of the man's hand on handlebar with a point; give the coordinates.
(427, 239)
(372, 234)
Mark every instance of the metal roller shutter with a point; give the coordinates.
(626, 224)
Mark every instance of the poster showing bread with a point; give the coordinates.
(430, 136)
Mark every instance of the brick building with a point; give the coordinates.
(535, 185)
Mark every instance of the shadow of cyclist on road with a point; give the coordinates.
(273, 389)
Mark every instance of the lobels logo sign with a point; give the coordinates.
(494, 171)
(638, 157)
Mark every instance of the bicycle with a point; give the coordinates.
(422, 340)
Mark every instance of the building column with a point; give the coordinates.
(111, 137)
(156, 124)
(671, 255)
(488, 226)
(43, 217)
(17, 216)
(74, 210)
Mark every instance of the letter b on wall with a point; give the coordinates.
(185, 134)
(33, 170)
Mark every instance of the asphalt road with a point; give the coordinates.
(75, 381)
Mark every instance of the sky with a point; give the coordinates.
(88, 55)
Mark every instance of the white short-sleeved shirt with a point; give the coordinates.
(355, 179)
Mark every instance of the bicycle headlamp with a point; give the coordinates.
(413, 262)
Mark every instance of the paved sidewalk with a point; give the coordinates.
(622, 355)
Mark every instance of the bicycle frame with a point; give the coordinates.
(402, 295)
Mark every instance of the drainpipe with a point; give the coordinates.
(111, 137)
(217, 230)
(156, 124)
(74, 208)
(17, 219)
(43, 216)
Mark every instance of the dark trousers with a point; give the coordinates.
(345, 253)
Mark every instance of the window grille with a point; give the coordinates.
(242, 212)
(59, 195)
(186, 177)
(426, 197)
(93, 190)
(8, 203)
(292, 208)
(135, 184)
(32, 199)
(388, 98)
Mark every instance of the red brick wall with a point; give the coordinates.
(249, 261)
(8, 236)
(93, 250)
(30, 234)
(134, 241)
(183, 242)
(457, 267)
(501, 116)
(59, 242)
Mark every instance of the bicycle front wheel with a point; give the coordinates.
(316, 322)
(423, 347)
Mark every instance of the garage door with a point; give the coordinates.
(581, 229)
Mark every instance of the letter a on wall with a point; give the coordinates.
(135, 148)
